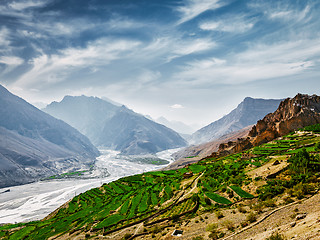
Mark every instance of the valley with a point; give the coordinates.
(36, 200)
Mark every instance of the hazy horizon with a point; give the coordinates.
(191, 61)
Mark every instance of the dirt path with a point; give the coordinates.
(193, 188)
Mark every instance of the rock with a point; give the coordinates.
(292, 114)
(276, 162)
(301, 216)
(293, 224)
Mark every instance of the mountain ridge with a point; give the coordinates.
(248, 112)
(115, 127)
(33, 144)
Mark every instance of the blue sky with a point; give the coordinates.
(191, 60)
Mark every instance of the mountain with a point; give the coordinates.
(178, 126)
(34, 144)
(292, 114)
(248, 112)
(115, 127)
(195, 153)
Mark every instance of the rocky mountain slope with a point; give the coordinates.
(195, 153)
(115, 127)
(34, 145)
(292, 114)
(248, 112)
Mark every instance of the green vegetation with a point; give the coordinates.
(217, 198)
(157, 196)
(241, 192)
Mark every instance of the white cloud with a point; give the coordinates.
(289, 14)
(177, 106)
(4, 35)
(183, 48)
(194, 46)
(11, 60)
(11, 63)
(55, 68)
(233, 24)
(258, 63)
(194, 8)
(284, 11)
(22, 5)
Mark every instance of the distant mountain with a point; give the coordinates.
(248, 112)
(178, 126)
(34, 144)
(111, 126)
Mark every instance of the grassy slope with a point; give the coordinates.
(158, 196)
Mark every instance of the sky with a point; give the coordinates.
(186, 60)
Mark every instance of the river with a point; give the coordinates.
(36, 200)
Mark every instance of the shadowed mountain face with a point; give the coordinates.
(114, 127)
(248, 112)
(33, 144)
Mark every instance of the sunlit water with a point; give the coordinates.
(36, 200)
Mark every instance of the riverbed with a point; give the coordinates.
(36, 200)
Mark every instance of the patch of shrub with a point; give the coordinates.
(241, 209)
(198, 238)
(251, 217)
(270, 203)
(276, 236)
(219, 214)
(229, 225)
(212, 227)
(127, 236)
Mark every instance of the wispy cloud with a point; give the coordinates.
(54, 68)
(24, 4)
(258, 63)
(194, 8)
(4, 37)
(11, 60)
(183, 48)
(232, 24)
(284, 11)
(288, 14)
(176, 106)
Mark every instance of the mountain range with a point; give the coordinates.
(34, 144)
(241, 192)
(248, 112)
(113, 126)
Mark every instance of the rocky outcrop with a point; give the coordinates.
(292, 114)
